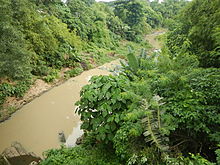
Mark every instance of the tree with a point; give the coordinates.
(133, 13)
(200, 28)
(14, 57)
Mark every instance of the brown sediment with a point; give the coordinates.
(37, 124)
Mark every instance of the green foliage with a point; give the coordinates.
(124, 112)
(14, 56)
(21, 87)
(98, 104)
(199, 28)
(218, 155)
(190, 110)
(49, 41)
(154, 19)
(41, 69)
(167, 11)
(17, 90)
(102, 36)
(192, 160)
(51, 76)
(195, 107)
(82, 18)
(93, 23)
(127, 139)
(133, 14)
(132, 61)
(153, 134)
(46, 36)
(81, 156)
(191, 102)
(149, 155)
(110, 108)
(74, 72)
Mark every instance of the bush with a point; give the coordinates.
(74, 72)
(192, 160)
(97, 155)
(54, 74)
(41, 70)
(102, 105)
(17, 90)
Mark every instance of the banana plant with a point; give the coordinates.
(134, 62)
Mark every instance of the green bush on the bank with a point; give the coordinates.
(17, 90)
(54, 74)
(79, 155)
(74, 72)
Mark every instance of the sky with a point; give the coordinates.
(104, 0)
(112, 0)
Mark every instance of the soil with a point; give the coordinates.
(37, 89)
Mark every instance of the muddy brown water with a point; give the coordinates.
(37, 124)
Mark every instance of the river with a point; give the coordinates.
(37, 124)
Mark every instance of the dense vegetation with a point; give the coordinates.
(41, 37)
(198, 32)
(161, 108)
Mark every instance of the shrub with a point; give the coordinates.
(79, 155)
(74, 72)
(54, 74)
(102, 105)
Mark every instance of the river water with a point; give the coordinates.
(37, 124)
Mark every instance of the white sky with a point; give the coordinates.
(112, 0)
(104, 0)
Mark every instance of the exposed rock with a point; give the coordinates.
(61, 137)
(80, 140)
(17, 155)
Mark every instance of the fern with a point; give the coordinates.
(153, 127)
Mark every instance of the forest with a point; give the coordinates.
(161, 108)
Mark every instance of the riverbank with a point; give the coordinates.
(90, 60)
(105, 128)
(40, 121)
(37, 124)
(39, 87)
